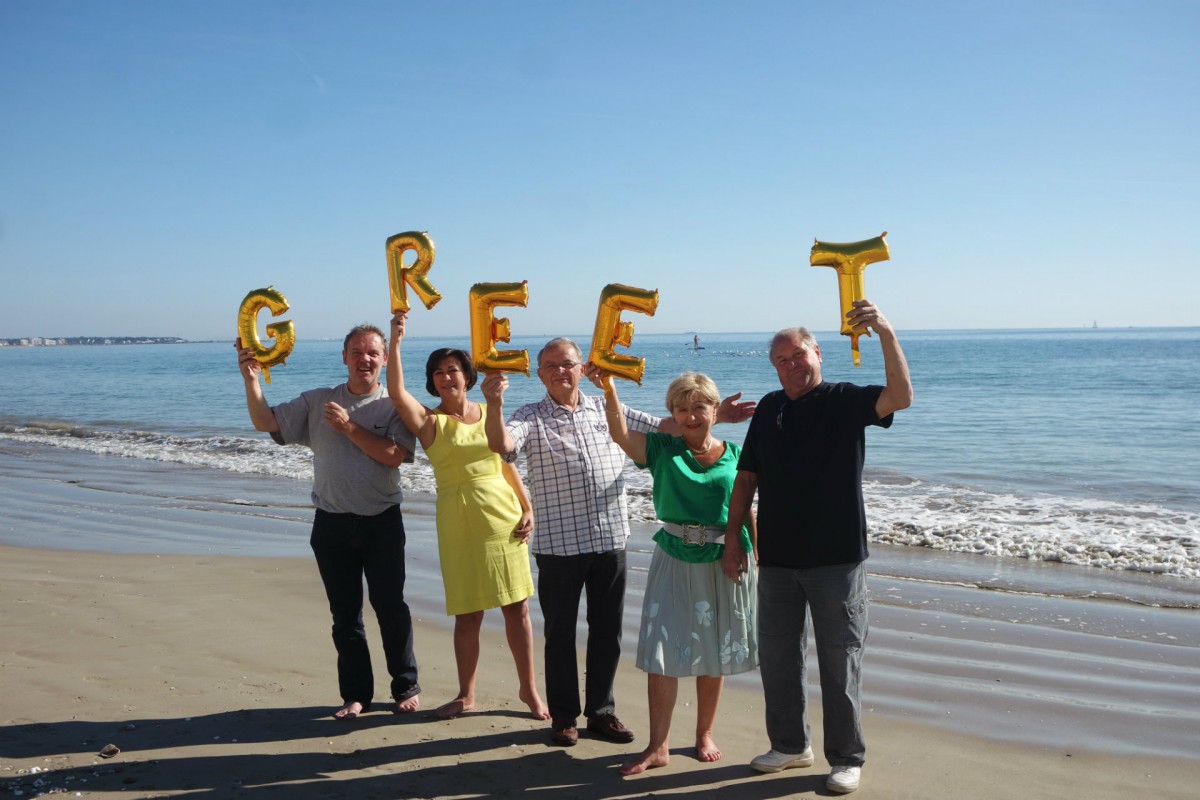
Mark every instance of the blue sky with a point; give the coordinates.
(1035, 163)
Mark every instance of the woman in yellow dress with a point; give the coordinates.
(484, 519)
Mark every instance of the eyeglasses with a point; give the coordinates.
(565, 366)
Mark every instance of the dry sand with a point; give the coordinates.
(214, 676)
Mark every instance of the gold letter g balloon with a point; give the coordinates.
(284, 333)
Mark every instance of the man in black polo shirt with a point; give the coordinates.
(804, 457)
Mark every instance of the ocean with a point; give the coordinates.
(1072, 446)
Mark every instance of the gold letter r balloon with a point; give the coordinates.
(850, 259)
(284, 333)
(401, 277)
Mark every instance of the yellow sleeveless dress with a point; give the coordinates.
(483, 566)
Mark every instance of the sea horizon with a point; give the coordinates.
(578, 336)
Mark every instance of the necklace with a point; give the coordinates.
(460, 417)
(702, 450)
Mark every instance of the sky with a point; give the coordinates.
(1036, 163)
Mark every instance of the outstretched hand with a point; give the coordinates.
(731, 410)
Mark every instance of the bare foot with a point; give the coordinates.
(456, 707)
(537, 709)
(408, 704)
(706, 748)
(647, 759)
(349, 711)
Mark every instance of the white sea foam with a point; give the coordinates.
(1095, 533)
(228, 453)
(1141, 538)
(259, 456)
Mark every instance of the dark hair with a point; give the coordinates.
(357, 330)
(437, 356)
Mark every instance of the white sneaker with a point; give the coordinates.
(775, 761)
(843, 780)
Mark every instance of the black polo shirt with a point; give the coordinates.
(808, 456)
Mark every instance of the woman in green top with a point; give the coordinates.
(695, 621)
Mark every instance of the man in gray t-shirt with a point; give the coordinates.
(358, 444)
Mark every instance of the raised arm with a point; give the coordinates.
(261, 415)
(499, 439)
(734, 561)
(897, 392)
(632, 442)
(416, 417)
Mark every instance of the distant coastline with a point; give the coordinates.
(70, 341)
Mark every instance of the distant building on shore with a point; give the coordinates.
(65, 341)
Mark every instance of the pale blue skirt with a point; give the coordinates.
(695, 621)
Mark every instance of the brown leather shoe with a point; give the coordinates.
(564, 733)
(607, 726)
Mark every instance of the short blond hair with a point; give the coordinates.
(689, 386)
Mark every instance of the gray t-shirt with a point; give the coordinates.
(345, 479)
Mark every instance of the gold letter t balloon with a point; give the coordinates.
(850, 259)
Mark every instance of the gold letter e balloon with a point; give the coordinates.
(487, 329)
(611, 330)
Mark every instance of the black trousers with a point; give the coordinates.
(349, 547)
(561, 581)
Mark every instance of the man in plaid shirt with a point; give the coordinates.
(581, 523)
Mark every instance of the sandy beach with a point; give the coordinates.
(214, 676)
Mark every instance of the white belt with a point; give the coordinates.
(694, 534)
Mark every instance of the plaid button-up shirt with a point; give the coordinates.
(574, 470)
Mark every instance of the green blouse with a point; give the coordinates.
(687, 493)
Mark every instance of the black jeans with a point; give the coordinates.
(561, 580)
(347, 547)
